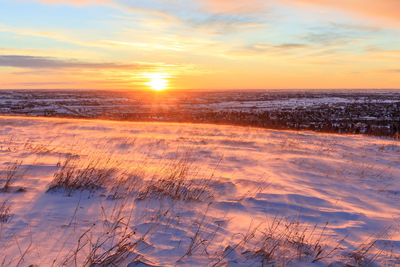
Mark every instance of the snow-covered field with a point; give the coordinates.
(165, 194)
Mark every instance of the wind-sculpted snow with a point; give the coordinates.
(170, 194)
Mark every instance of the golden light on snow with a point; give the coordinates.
(158, 81)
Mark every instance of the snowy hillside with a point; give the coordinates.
(100, 193)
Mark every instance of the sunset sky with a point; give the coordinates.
(199, 44)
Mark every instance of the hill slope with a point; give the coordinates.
(97, 192)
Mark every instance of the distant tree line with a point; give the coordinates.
(377, 115)
(353, 119)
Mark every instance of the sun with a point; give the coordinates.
(158, 84)
(157, 81)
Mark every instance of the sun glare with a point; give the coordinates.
(158, 84)
(157, 81)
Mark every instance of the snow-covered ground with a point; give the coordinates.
(237, 195)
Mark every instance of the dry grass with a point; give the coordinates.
(90, 175)
(178, 182)
(203, 236)
(175, 179)
(277, 243)
(126, 184)
(118, 245)
(5, 212)
(39, 148)
(367, 253)
(11, 174)
(280, 242)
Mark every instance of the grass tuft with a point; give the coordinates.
(11, 175)
(5, 212)
(177, 183)
(278, 243)
(77, 175)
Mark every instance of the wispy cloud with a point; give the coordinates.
(51, 35)
(145, 46)
(289, 46)
(73, 2)
(41, 84)
(221, 23)
(385, 10)
(33, 62)
(334, 37)
(260, 48)
(235, 6)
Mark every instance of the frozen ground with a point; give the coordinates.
(228, 196)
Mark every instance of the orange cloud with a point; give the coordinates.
(385, 10)
(233, 6)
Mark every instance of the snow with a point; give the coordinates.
(349, 182)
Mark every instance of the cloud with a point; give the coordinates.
(383, 9)
(225, 23)
(33, 62)
(30, 84)
(176, 6)
(74, 2)
(387, 10)
(339, 36)
(328, 38)
(234, 6)
(281, 49)
(290, 46)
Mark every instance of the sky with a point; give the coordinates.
(199, 44)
